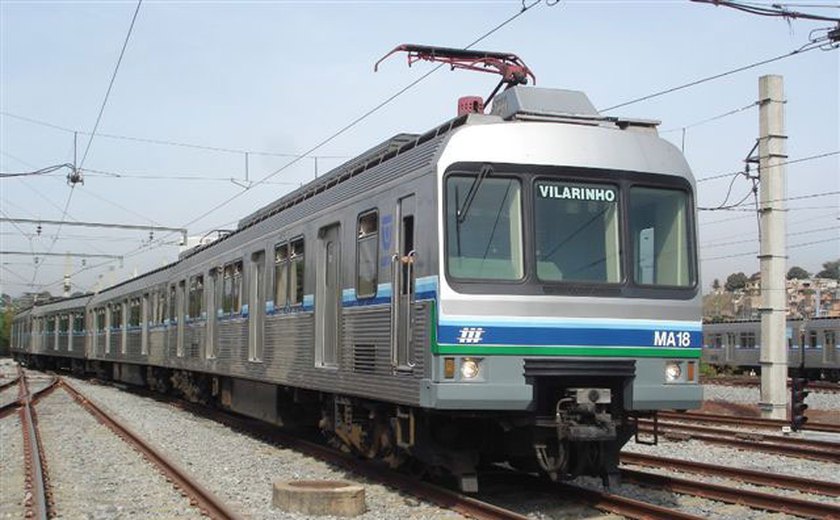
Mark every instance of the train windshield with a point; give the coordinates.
(576, 229)
(484, 227)
(662, 253)
(549, 231)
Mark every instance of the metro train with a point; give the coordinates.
(515, 286)
(735, 345)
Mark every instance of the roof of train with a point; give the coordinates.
(518, 103)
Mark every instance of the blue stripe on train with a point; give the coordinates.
(578, 336)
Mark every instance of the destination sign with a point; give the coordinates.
(586, 192)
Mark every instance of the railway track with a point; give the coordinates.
(822, 386)
(199, 496)
(8, 406)
(441, 496)
(731, 495)
(753, 422)
(758, 478)
(789, 446)
(38, 502)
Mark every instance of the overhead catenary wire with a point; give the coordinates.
(166, 142)
(110, 85)
(810, 46)
(752, 253)
(714, 245)
(43, 171)
(525, 8)
(774, 10)
(785, 163)
(710, 119)
(334, 135)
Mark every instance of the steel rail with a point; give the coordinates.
(8, 384)
(823, 386)
(760, 478)
(443, 497)
(36, 486)
(802, 452)
(815, 444)
(758, 422)
(728, 494)
(8, 408)
(623, 506)
(200, 497)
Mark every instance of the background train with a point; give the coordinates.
(734, 346)
(514, 286)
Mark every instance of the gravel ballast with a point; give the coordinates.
(95, 474)
(237, 468)
(751, 395)
(13, 469)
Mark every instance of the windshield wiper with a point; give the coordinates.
(485, 171)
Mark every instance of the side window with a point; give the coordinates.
(134, 313)
(227, 298)
(237, 287)
(172, 304)
(367, 254)
(296, 271)
(281, 275)
(196, 297)
(116, 316)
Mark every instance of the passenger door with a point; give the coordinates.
(402, 282)
(328, 296)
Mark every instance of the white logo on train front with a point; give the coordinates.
(471, 335)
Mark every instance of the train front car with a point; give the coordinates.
(568, 297)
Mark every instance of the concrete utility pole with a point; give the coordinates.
(771, 156)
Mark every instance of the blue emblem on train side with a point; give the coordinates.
(387, 234)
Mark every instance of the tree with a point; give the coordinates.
(6, 319)
(735, 281)
(831, 269)
(798, 273)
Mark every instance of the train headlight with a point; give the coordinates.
(469, 368)
(672, 371)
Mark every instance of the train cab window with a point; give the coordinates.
(367, 254)
(196, 297)
(281, 275)
(577, 232)
(484, 227)
(660, 238)
(296, 271)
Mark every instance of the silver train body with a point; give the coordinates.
(511, 286)
(735, 345)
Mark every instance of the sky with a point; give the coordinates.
(276, 78)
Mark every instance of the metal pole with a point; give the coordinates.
(771, 153)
